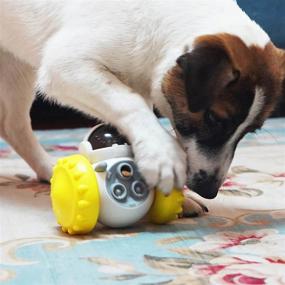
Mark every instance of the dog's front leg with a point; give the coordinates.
(91, 88)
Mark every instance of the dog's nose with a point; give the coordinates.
(204, 184)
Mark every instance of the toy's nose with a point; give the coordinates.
(207, 186)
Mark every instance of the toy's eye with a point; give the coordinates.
(119, 192)
(125, 170)
(139, 190)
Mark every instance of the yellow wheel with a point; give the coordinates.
(75, 195)
(166, 209)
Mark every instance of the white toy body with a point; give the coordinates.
(103, 184)
(124, 197)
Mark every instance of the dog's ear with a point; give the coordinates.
(207, 71)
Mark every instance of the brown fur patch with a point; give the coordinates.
(174, 88)
(258, 67)
(261, 65)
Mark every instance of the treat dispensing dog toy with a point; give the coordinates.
(103, 183)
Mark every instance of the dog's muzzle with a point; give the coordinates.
(207, 186)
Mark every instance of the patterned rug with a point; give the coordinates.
(240, 241)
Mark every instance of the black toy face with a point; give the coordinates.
(105, 136)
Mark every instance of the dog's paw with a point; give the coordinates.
(193, 208)
(162, 163)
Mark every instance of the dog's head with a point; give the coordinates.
(218, 92)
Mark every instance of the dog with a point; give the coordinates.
(203, 64)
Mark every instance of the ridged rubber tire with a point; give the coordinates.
(75, 195)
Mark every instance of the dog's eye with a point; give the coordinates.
(236, 77)
(184, 128)
(212, 120)
(215, 131)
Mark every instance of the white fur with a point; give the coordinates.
(106, 58)
(256, 107)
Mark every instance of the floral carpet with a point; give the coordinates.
(240, 241)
